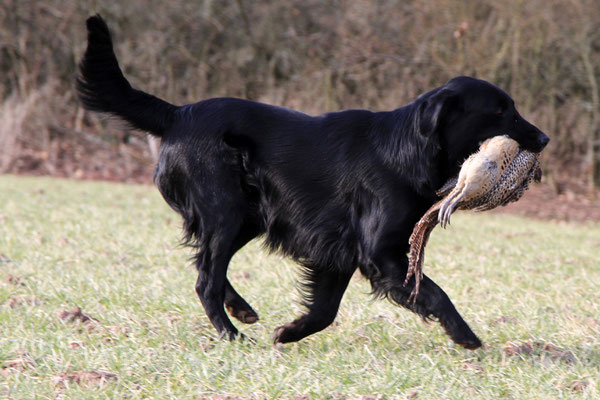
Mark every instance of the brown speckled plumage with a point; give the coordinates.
(499, 173)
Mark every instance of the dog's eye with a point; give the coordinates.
(499, 111)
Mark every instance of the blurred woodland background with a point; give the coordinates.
(312, 55)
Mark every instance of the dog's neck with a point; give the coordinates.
(405, 150)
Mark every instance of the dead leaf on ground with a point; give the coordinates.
(565, 356)
(76, 345)
(547, 346)
(516, 348)
(578, 385)
(504, 319)
(85, 378)
(558, 354)
(76, 315)
(13, 279)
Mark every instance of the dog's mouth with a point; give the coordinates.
(535, 145)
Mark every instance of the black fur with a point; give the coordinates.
(102, 86)
(336, 192)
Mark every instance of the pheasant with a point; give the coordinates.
(497, 174)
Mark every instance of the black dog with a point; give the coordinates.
(336, 192)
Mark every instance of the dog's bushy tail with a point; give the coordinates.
(102, 87)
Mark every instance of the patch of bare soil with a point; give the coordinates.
(571, 204)
(81, 155)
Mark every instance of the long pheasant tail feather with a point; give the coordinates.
(418, 241)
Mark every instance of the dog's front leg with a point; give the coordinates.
(387, 271)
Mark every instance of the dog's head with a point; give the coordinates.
(466, 111)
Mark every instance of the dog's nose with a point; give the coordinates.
(543, 140)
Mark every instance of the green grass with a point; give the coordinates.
(112, 250)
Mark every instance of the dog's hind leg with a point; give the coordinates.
(237, 307)
(234, 303)
(324, 291)
(213, 287)
(216, 223)
(212, 263)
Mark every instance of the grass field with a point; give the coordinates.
(112, 250)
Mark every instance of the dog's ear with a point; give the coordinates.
(433, 110)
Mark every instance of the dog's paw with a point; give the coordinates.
(466, 339)
(471, 344)
(285, 334)
(246, 316)
(460, 333)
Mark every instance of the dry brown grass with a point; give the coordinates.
(316, 56)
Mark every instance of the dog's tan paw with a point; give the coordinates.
(245, 316)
